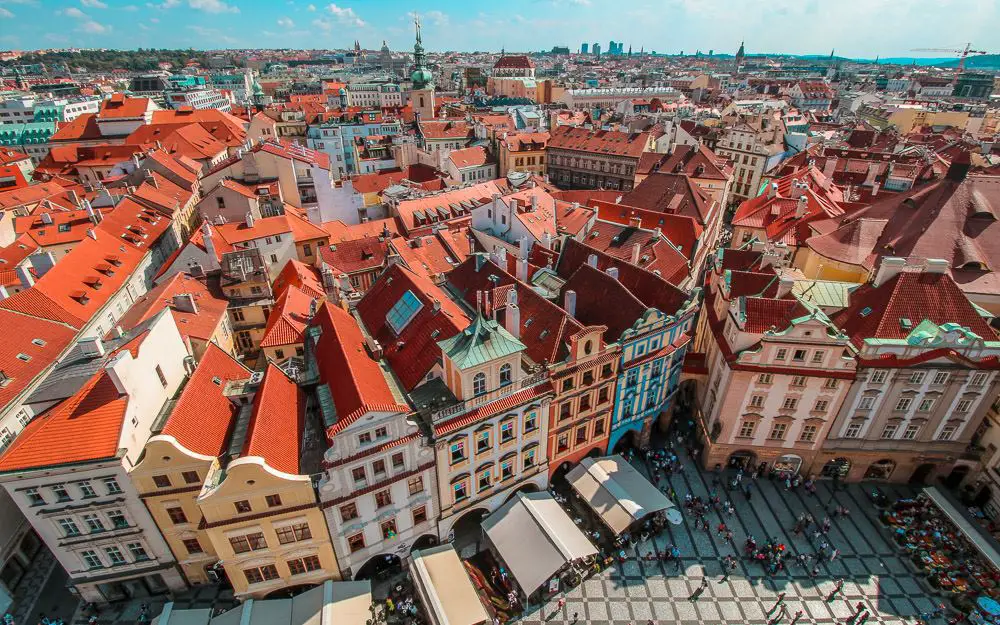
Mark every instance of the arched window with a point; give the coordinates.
(504, 375)
(479, 384)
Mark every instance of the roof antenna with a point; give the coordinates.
(479, 302)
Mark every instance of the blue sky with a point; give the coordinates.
(859, 28)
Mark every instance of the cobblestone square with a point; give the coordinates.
(873, 569)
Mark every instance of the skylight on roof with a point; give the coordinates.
(403, 311)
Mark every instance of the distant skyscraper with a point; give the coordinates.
(612, 47)
(597, 50)
(584, 48)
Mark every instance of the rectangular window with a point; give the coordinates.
(941, 377)
(378, 468)
(765, 378)
(484, 481)
(111, 484)
(397, 461)
(248, 542)
(947, 433)
(778, 431)
(253, 576)
(190, 477)
(506, 470)
(799, 355)
(348, 512)
(115, 555)
(388, 529)
(364, 438)
(963, 405)
(482, 441)
(756, 401)
(889, 431)
(562, 442)
(118, 520)
(383, 498)
(747, 429)
(798, 380)
(830, 384)
(910, 432)
(808, 434)
(34, 497)
(917, 377)
(69, 527)
(457, 452)
(866, 402)
(293, 533)
(138, 552)
(903, 403)
(419, 515)
(599, 427)
(581, 435)
(817, 358)
(242, 507)
(87, 490)
(161, 481)
(193, 546)
(94, 523)
(160, 376)
(381, 432)
(603, 395)
(530, 422)
(528, 459)
(507, 431)
(177, 515)
(415, 484)
(978, 379)
(821, 405)
(781, 354)
(853, 430)
(790, 403)
(359, 475)
(878, 376)
(632, 378)
(91, 559)
(459, 491)
(59, 490)
(356, 542)
(925, 405)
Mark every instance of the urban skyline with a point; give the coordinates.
(524, 25)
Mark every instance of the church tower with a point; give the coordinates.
(740, 55)
(422, 92)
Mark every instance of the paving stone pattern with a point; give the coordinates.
(638, 591)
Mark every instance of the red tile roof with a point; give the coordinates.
(42, 341)
(469, 157)
(414, 351)
(602, 142)
(355, 379)
(655, 252)
(670, 193)
(681, 230)
(764, 313)
(697, 162)
(83, 128)
(425, 255)
(876, 312)
(288, 319)
(201, 419)
(514, 61)
(304, 277)
(349, 257)
(233, 233)
(211, 305)
(278, 422)
(64, 227)
(118, 106)
(526, 141)
(31, 195)
(339, 231)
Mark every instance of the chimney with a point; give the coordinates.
(635, 222)
(525, 247)
(569, 303)
(206, 231)
(75, 198)
(512, 320)
(935, 265)
(657, 233)
(91, 346)
(185, 302)
(801, 206)
(91, 215)
(547, 240)
(117, 369)
(25, 277)
(636, 250)
(522, 269)
(785, 284)
(959, 168)
(613, 272)
(496, 204)
(329, 280)
(875, 189)
(480, 261)
(249, 219)
(592, 260)
(890, 266)
(513, 207)
(772, 190)
(534, 203)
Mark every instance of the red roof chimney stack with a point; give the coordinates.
(960, 166)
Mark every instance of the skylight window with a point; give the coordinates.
(403, 311)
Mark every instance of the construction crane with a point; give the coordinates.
(962, 54)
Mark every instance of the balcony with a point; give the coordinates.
(481, 400)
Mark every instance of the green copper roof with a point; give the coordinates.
(823, 293)
(483, 341)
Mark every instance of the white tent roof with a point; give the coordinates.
(333, 603)
(445, 588)
(616, 491)
(536, 538)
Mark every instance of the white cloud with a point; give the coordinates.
(73, 12)
(322, 24)
(5, 14)
(166, 4)
(436, 18)
(94, 28)
(154, 20)
(212, 6)
(311, 7)
(94, 4)
(143, 27)
(212, 33)
(286, 22)
(31, 2)
(345, 15)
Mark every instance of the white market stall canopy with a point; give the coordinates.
(445, 589)
(333, 603)
(616, 491)
(536, 538)
(974, 535)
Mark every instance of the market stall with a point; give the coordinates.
(444, 588)
(971, 532)
(617, 492)
(536, 539)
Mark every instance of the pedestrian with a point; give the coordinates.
(576, 616)
(798, 615)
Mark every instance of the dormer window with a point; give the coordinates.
(479, 384)
(505, 375)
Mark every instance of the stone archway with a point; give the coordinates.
(628, 440)
(880, 470)
(836, 468)
(921, 473)
(957, 475)
(379, 566)
(789, 463)
(743, 459)
(424, 542)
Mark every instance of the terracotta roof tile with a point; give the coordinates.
(469, 157)
(606, 142)
(670, 193)
(288, 319)
(211, 306)
(40, 340)
(349, 257)
(278, 422)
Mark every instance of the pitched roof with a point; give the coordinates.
(412, 350)
(426, 255)
(209, 300)
(469, 157)
(288, 319)
(515, 61)
(670, 193)
(353, 256)
(482, 341)
(202, 416)
(339, 231)
(298, 274)
(233, 233)
(31, 345)
(356, 381)
(606, 142)
(696, 161)
(278, 422)
(445, 129)
(120, 106)
(877, 311)
(656, 254)
(763, 313)
(681, 230)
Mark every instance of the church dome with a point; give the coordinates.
(421, 77)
